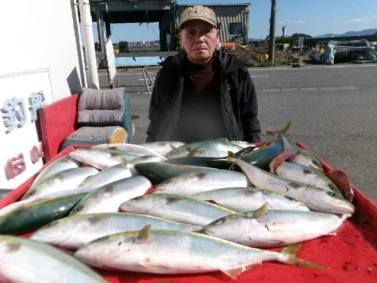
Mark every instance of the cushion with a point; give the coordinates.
(101, 107)
(95, 135)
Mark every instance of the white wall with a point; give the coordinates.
(41, 61)
(38, 34)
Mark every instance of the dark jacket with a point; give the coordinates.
(238, 99)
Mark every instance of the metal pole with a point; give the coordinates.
(271, 46)
(91, 62)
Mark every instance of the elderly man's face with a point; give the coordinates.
(199, 40)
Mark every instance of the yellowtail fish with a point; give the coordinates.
(109, 197)
(158, 172)
(176, 208)
(207, 148)
(24, 260)
(163, 147)
(101, 158)
(176, 252)
(74, 231)
(301, 173)
(248, 198)
(193, 183)
(265, 228)
(54, 167)
(315, 198)
(27, 215)
(130, 148)
(62, 181)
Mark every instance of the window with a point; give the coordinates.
(235, 28)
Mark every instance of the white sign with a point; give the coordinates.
(22, 94)
(110, 59)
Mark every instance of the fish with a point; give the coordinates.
(55, 166)
(130, 148)
(245, 144)
(162, 147)
(156, 251)
(206, 148)
(249, 198)
(108, 175)
(74, 231)
(109, 197)
(158, 172)
(199, 161)
(214, 162)
(267, 228)
(314, 198)
(342, 182)
(176, 208)
(301, 155)
(64, 180)
(301, 173)
(24, 260)
(261, 156)
(27, 215)
(191, 183)
(101, 158)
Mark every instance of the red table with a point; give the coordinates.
(350, 255)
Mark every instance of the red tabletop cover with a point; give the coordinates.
(350, 255)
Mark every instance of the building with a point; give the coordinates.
(233, 18)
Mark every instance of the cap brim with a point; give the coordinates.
(193, 19)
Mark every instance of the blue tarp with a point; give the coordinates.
(138, 61)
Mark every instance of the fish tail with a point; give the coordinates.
(289, 257)
(280, 131)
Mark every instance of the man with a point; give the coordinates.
(202, 93)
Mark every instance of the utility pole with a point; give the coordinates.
(271, 45)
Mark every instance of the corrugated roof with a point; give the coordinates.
(212, 2)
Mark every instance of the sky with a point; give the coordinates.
(314, 18)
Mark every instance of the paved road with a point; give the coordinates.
(333, 110)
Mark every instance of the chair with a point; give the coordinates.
(92, 117)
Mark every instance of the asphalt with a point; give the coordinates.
(332, 109)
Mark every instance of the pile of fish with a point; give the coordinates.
(171, 208)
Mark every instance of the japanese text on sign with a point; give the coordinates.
(14, 110)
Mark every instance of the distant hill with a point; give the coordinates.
(348, 33)
(351, 33)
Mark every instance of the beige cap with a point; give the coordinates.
(200, 13)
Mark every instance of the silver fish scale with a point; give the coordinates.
(171, 252)
(212, 148)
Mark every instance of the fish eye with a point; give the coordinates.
(78, 209)
(219, 221)
(331, 194)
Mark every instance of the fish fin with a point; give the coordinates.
(233, 273)
(172, 147)
(287, 145)
(144, 233)
(281, 131)
(261, 212)
(155, 268)
(193, 151)
(231, 154)
(124, 162)
(290, 252)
